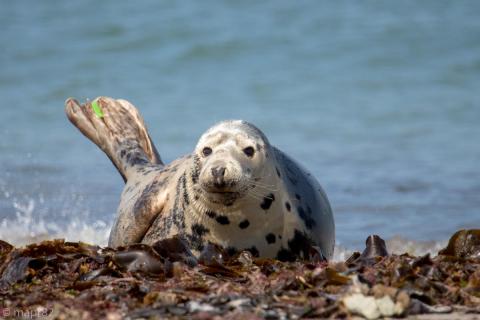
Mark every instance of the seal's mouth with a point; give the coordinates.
(224, 188)
(221, 196)
(224, 194)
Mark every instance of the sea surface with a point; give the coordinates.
(380, 100)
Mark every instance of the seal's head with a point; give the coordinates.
(230, 157)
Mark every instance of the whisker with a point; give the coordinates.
(269, 197)
(265, 188)
(254, 196)
(260, 196)
(269, 190)
(261, 184)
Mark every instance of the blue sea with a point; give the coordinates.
(380, 100)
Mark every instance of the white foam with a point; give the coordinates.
(341, 253)
(26, 228)
(397, 245)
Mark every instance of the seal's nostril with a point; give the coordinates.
(218, 172)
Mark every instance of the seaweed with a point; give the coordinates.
(76, 280)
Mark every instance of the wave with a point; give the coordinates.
(26, 228)
(397, 245)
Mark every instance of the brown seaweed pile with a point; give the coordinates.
(65, 280)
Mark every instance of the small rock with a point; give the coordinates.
(235, 304)
(362, 305)
(386, 306)
(113, 316)
(194, 306)
(372, 308)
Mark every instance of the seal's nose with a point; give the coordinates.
(218, 174)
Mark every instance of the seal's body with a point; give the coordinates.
(234, 190)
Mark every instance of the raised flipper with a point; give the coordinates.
(117, 128)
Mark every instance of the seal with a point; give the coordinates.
(234, 190)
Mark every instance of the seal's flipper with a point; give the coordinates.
(117, 128)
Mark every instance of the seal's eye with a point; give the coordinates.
(249, 151)
(207, 151)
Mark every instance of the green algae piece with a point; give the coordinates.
(96, 108)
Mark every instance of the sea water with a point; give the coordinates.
(381, 101)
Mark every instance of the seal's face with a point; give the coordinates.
(231, 158)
